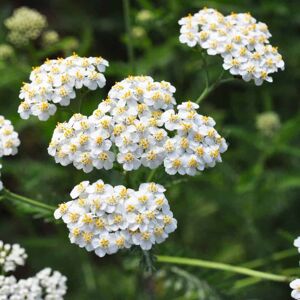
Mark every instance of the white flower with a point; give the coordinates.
(11, 256)
(9, 140)
(295, 285)
(105, 219)
(55, 82)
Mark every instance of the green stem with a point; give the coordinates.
(129, 44)
(151, 175)
(148, 261)
(10, 195)
(209, 88)
(223, 267)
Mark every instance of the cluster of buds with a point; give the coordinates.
(242, 42)
(25, 25)
(105, 219)
(55, 82)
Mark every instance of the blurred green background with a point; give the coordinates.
(242, 210)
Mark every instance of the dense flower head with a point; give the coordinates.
(242, 42)
(196, 144)
(25, 25)
(268, 123)
(11, 256)
(133, 127)
(55, 82)
(9, 140)
(105, 219)
(49, 38)
(45, 285)
(6, 51)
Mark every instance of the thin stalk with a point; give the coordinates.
(10, 195)
(223, 267)
(151, 175)
(209, 88)
(129, 42)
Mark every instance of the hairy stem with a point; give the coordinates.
(223, 267)
(10, 195)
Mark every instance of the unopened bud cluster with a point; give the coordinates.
(25, 25)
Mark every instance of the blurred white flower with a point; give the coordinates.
(46, 284)
(242, 42)
(268, 123)
(11, 256)
(295, 285)
(55, 82)
(105, 219)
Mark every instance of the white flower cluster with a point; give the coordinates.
(242, 42)
(196, 145)
(105, 219)
(45, 285)
(25, 25)
(135, 121)
(11, 256)
(55, 82)
(9, 140)
(295, 284)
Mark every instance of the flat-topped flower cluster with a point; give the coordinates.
(242, 42)
(45, 285)
(134, 126)
(55, 82)
(105, 219)
(9, 141)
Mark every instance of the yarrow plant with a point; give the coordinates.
(105, 219)
(55, 82)
(9, 140)
(45, 285)
(242, 42)
(137, 120)
(139, 124)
